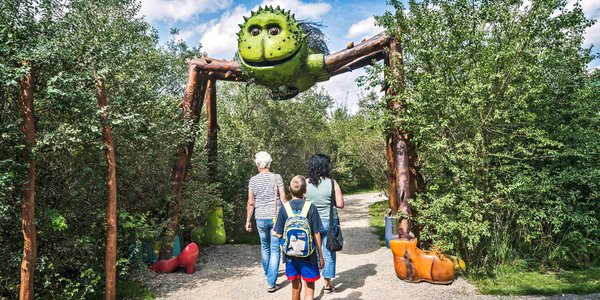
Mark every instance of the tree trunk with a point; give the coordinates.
(213, 127)
(110, 259)
(28, 192)
(191, 107)
(403, 176)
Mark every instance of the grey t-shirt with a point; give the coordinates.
(320, 196)
(262, 186)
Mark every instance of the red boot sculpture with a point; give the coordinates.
(186, 259)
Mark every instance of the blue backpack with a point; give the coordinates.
(297, 238)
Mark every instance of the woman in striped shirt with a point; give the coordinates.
(265, 197)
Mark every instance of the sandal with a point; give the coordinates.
(274, 288)
(329, 290)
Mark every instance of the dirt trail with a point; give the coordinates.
(365, 270)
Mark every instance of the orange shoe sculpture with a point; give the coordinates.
(415, 265)
(186, 259)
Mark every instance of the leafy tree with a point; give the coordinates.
(501, 105)
(74, 42)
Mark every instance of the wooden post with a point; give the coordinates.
(403, 177)
(28, 189)
(110, 259)
(213, 127)
(191, 107)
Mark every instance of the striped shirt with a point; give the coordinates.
(262, 186)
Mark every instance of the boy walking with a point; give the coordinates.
(298, 248)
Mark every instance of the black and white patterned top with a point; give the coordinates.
(262, 186)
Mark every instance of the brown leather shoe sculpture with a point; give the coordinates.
(415, 265)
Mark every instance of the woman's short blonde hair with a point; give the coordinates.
(263, 159)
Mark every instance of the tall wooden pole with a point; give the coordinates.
(403, 176)
(110, 259)
(213, 127)
(191, 107)
(28, 189)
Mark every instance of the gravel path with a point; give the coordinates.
(365, 270)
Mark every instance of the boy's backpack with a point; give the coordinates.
(297, 238)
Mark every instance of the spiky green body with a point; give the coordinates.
(273, 52)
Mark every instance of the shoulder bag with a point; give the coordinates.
(275, 191)
(335, 240)
(275, 201)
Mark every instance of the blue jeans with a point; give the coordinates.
(328, 256)
(269, 249)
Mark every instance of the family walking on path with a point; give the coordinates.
(266, 197)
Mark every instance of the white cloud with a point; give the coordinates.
(344, 89)
(591, 8)
(192, 33)
(592, 34)
(179, 10)
(526, 5)
(300, 9)
(219, 38)
(365, 28)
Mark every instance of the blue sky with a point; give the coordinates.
(213, 23)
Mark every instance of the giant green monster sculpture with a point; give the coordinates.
(275, 51)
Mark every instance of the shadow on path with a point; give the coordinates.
(352, 279)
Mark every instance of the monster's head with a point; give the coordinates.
(272, 50)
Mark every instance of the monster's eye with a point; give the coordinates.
(274, 30)
(255, 31)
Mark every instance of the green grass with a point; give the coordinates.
(377, 219)
(133, 290)
(507, 280)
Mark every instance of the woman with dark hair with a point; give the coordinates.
(318, 191)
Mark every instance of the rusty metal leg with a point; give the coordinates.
(212, 130)
(191, 107)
